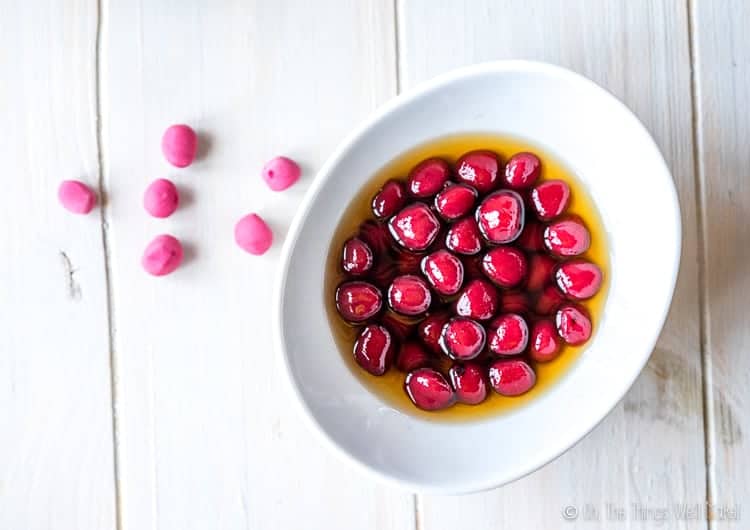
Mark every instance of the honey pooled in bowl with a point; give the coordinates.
(466, 277)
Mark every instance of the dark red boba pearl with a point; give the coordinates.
(358, 301)
(468, 381)
(429, 390)
(411, 356)
(430, 329)
(376, 236)
(500, 216)
(511, 377)
(578, 279)
(409, 295)
(357, 257)
(462, 338)
(567, 237)
(573, 324)
(415, 227)
(478, 169)
(406, 262)
(389, 199)
(444, 271)
(549, 300)
(463, 237)
(509, 334)
(514, 302)
(428, 177)
(455, 201)
(399, 329)
(550, 199)
(532, 237)
(505, 266)
(541, 270)
(544, 342)
(473, 267)
(478, 300)
(374, 349)
(522, 170)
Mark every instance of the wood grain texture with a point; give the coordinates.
(721, 47)
(207, 436)
(649, 451)
(56, 463)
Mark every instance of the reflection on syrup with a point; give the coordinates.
(389, 387)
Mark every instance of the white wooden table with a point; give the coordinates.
(128, 402)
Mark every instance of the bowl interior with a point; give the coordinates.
(618, 163)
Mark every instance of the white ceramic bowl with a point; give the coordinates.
(617, 161)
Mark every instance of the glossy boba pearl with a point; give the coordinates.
(428, 177)
(478, 300)
(462, 338)
(358, 301)
(415, 227)
(374, 349)
(567, 237)
(505, 266)
(356, 257)
(511, 377)
(389, 199)
(463, 237)
(544, 341)
(455, 201)
(578, 279)
(428, 389)
(468, 381)
(430, 329)
(444, 271)
(500, 217)
(509, 334)
(573, 324)
(478, 169)
(281, 173)
(409, 295)
(550, 199)
(522, 170)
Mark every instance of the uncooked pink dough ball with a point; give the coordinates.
(280, 173)
(161, 198)
(253, 235)
(76, 197)
(179, 145)
(162, 256)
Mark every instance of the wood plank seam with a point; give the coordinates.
(707, 379)
(104, 219)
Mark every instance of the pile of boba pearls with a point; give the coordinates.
(164, 253)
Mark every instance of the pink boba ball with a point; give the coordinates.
(76, 197)
(179, 145)
(161, 198)
(162, 256)
(280, 173)
(253, 235)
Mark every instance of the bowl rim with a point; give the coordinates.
(311, 195)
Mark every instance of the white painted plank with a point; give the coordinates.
(722, 76)
(56, 463)
(207, 434)
(649, 451)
